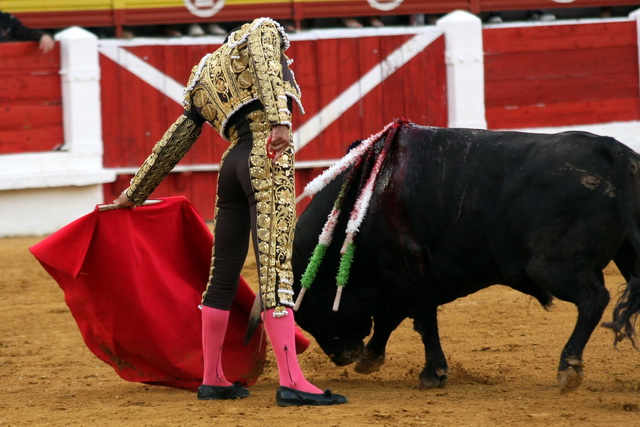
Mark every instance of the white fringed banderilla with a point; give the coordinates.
(353, 158)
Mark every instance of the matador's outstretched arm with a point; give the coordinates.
(167, 152)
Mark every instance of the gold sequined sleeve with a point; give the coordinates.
(167, 152)
(264, 49)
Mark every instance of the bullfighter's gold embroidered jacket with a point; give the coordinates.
(250, 67)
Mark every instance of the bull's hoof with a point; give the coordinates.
(428, 381)
(346, 358)
(570, 378)
(368, 364)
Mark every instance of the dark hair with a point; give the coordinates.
(226, 39)
(7, 20)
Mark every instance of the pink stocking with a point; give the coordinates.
(214, 327)
(281, 333)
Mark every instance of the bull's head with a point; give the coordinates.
(340, 334)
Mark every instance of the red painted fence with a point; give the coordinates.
(135, 115)
(535, 76)
(561, 75)
(30, 99)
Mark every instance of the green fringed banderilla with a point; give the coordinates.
(365, 191)
(311, 271)
(324, 240)
(343, 273)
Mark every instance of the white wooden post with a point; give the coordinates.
(80, 74)
(636, 16)
(42, 192)
(465, 69)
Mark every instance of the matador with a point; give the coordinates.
(246, 90)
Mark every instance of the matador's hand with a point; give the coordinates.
(278, 140)
(123, 202)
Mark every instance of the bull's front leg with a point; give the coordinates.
(434, 374)
(373, 356)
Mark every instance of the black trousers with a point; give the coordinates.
(255, 195)
(235, 218)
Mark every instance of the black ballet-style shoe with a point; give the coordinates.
(286, 396)
(215, 392)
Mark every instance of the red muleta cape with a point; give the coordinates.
(133, 280)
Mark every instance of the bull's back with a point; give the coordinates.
(482, 198)
(459, 173)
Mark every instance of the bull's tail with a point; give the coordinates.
(626, 313)
(627, 308)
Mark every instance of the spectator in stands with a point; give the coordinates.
(532, 15)
(211, 28)
(355, 23)
(11, 29)
(606, 12)
(540, 15)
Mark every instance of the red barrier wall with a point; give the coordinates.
(535, 76)
(30, 99)
(559, 75)
(135, 115)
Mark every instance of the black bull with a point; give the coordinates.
(457, 210)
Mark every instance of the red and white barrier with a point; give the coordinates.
(119, 96)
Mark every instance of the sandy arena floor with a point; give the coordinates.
(502, 348)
